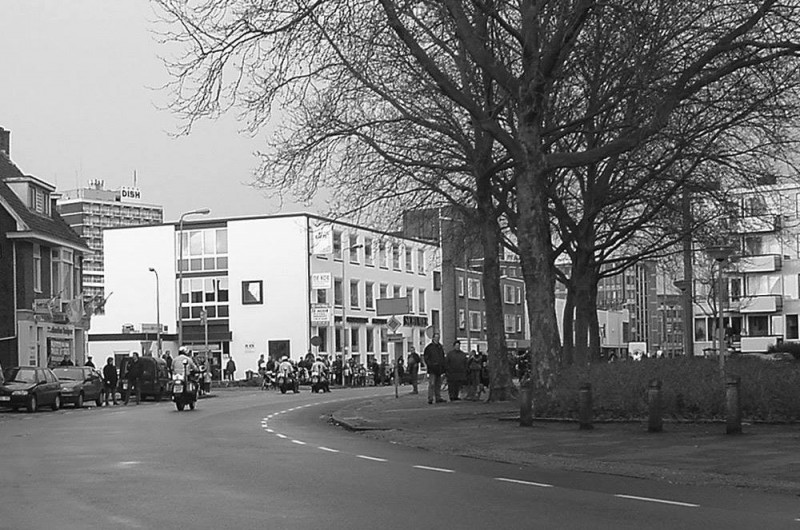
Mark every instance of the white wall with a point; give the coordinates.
(275, 251)
(128, 255)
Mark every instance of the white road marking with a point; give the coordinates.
(525, 482)
(269, 430)
(328, 449)
(661, 501)
(130, 463)
(298, 442)
(442, 470)
(281, 436)
(374, 459)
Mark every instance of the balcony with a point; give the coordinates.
(764, 224)
(757, 344)
(768, 303)
(755, 264)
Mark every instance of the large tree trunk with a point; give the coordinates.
(567, 325)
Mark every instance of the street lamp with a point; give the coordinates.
(158, 310)
(202, 211)
(720, 255)
(345, 301)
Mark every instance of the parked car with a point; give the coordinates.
(30, 387)
(79, 384)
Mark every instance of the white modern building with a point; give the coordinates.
(761, 294)
(273, 285)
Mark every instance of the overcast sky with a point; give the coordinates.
(75, 92)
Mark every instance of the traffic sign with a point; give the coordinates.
(395, 337)
(393, 324)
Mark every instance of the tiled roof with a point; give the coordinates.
(53, 226)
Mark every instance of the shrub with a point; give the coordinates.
(788, 347)
(691, 389)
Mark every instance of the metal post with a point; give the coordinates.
(721, 323)
(655, 420)
(466, 301)
(585, 407)
(733, 408)
(345, 301)
(202, 211)
(158, 310)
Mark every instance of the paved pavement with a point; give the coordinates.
(765, 457)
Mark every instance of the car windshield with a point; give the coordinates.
(69, 374)
(20, 375)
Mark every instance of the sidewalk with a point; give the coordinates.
(764, 457)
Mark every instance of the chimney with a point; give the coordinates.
(5, 142)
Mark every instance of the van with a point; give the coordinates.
(155, 381)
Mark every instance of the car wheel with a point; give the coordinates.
(33, 404)
(99, 400)
(79, 401)
(57, 403)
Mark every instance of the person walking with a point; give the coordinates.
(134, 377)
(230, 369)
(474, 368)
(456, 370)
(110, 381)
(434, 360)
(413, 368)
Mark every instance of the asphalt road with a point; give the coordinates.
(249, 459)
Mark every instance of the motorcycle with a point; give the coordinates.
(185, 388)
(319, 382)
(287, 382)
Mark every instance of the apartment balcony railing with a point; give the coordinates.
(764, 224)
(769, 303)
(755, 264)
(758, 344)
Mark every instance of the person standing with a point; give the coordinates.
(230, 369)
(134, 377)
(110, 381)
(434, 360)
(168, 359)
(474, 368)
(413, 368)
(456, 369)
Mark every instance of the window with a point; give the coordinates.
(758, 325)
(384, 340)
(396, 257)
(519, 323)
(474, 320)
(383, 291)
(322, 333)
(508, 294)
(437, 281)
(460, 286)
(337, 244)
(37, 268)
(462, 319)
(754, 206)
(368, 258)
(354, 252)
(509, 323)
(370, 339)
(62, 272)
(421, 261)
(38, 200)
(753, 246)
(337, 292)
(354, 302)
(409, 264)
(519, 295)
(410, 298)
(421, 301)
(700, 329)
(209, 293)
(354, 345)
(383, 255)
(735, 288)
(252, 292)
(369, 295)
(791, 327)
(396, 292)
(322, 296)
(203, 250)
(474, 289)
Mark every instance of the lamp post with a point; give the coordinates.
(345, 301)
(158, 310)
(202, 211)
(720, 255)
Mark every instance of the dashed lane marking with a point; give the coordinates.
(660, 501)
(298, 442)
(374, 459)
(328, 449)
(281, 436)
(525, 482)
(439, 469)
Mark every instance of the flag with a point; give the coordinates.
(75, 309)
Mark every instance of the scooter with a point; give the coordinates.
(184, 389)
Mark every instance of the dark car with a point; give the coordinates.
(30, 387)
(155, 380)
(79, 384)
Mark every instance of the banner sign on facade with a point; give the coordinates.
(321, 280)
(322, 239)
(129, 194)
(321, 314)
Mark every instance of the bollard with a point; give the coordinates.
(585, 407)
(733, 409)
(526, 405)
(655, 421)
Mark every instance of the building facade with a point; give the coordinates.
(92, 209)
(281, 285)
(42, 319)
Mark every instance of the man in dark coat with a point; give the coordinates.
(456, 369)
(434, 360)
(413, 368)
(134, 377)
(110, 380)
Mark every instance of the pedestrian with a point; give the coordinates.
(413, 368)
(110, 381)
(230, 369)
(474, 368)
(134, 378)
(456, 369)
(376, 373)
(168, 359)
(434, 360)
(401, 371)
(89, 362)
